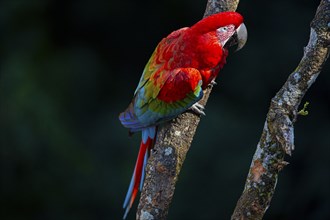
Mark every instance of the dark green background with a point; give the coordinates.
(68, 68)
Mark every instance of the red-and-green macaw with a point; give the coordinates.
(181, 67)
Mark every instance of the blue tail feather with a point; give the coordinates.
(146, 156)
(126, 212)
(150, 133)
(129, 191)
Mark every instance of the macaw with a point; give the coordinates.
(183, 64)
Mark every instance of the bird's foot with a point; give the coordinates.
(212, 83)
(198, 109)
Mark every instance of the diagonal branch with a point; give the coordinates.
(172, 144)
(277, 137)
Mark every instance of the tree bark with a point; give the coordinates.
(277, 138)
(172, 144)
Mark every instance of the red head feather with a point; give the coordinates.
(216, 21)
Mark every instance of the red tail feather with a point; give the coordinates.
(139, 165)
(138, 173)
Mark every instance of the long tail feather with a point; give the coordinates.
(148, 137)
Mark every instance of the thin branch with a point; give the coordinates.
(172, 144)
(277, 137)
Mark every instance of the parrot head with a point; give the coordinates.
(229, 36)
(229, 28)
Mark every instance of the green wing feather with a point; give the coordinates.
(148, 108)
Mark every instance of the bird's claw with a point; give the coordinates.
(212, 83)
(198, 109)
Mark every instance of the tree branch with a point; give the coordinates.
(172, 144)
(277, 137)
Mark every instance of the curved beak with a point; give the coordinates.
(242, 35)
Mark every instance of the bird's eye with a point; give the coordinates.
(224, 29)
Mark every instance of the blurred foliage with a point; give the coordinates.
(68, 68)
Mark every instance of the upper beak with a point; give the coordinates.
(242, 35)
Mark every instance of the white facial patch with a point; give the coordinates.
(225, 33)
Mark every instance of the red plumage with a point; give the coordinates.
(182, 65)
